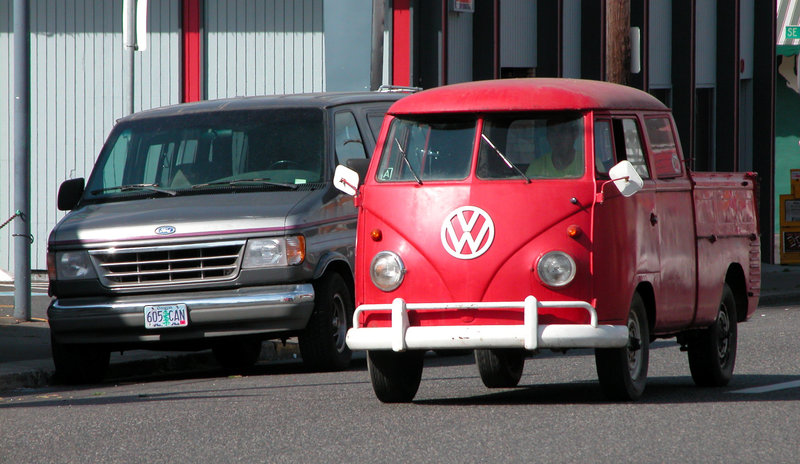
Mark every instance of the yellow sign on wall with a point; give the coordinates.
(790, 221)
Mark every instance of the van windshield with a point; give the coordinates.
(538, 146)
(195, 152)
(421, 150)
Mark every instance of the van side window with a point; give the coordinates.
(603, 146)
(347, 138)
(628, 145)
(662, 143)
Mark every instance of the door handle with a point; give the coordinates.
(653, 219)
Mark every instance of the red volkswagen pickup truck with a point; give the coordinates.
(512, 216)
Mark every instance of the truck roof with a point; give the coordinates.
(530, 94)
(305, 100)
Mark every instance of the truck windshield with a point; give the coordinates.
(421, 150)
(275, 148)
(531, 146)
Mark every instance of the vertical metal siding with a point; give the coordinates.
(264, 47)
(459, 47)
(706, 51)
(571, 36)
(747, 34)
(660, 44)
(518, 34)
(6, 133)
(77, 74)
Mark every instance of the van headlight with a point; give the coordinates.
(556, 269)
(74, 265)
(274, 252)
(387, 271)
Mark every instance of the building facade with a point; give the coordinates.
(714, 64)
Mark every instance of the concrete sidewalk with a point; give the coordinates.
(25, 360)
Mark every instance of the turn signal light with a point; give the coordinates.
(376, 235)
(574, 231)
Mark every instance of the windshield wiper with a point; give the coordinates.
(505, 160)
(231, 183)
(402, 152)
(129, 187)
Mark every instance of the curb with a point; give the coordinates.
(779, 299)
(40, 373)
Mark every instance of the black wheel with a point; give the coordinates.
(500, 368)
(712, 351)
(623, 371)
(237, 353)
(79, 364)
(322, 343)
(395, 376)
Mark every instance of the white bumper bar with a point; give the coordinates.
(530, 335)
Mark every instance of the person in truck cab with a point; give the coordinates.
(564, 157)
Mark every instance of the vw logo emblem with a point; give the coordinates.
(467, 232)
(165, 230)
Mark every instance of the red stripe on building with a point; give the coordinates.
(191, 50)
(401, 43)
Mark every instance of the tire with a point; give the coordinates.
(623, 371)
(712, 351)
(500, 368)
(237, 353)
(395, 376)
(322, 343)
(79, 364)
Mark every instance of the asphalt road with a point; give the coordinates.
(280, 413)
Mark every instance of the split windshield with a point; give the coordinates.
(280, 148)
(512, 146)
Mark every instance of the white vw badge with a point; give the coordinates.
(467, 232)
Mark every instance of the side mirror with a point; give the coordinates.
(625, 177)
(346, 180)
(69, 193)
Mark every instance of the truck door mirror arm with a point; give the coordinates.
(625, 178)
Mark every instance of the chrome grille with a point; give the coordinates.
(168, 265)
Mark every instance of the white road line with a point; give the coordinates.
(770, 388)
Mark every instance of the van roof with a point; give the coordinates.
(531, 94)
(306, 100)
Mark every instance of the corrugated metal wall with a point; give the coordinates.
(77, 93)
(571, 35)
(278, 47)
(6, 132)
(660, 44)
(706, 48)
(518, 34)
(459, 47)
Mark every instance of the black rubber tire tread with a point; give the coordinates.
(79, 364)
(500, 368)
(613, 367)
(237, 353)
(318, 343)
(712, 351)
(395, 376)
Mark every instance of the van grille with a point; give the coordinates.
(168, 265)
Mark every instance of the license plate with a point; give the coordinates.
(160, 316)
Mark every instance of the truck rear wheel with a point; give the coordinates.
(322, 343)
(395, 376)
(79, 364)
(623, 371)
(712, 351)
(500, 368)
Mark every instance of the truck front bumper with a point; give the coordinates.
(529, 335)
(119, 321)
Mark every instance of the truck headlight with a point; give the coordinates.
(274, 252)
(556, 269)
(387, 271)
(74, 265)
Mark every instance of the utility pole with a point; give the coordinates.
(22, 161)
(618, 43)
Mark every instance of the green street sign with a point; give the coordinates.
(792, 32)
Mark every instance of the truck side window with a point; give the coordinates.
(662, 143)
(347, 138)
(603, 146)
(628, 144)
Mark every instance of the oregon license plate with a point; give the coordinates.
(160, 316)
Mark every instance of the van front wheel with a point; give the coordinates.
(500, 368)
(395, 376)
(623, 371)
(322, 343)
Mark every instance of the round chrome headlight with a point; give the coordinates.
(387, 271)
(556, 269)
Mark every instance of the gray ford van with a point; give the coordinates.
(212, 225)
